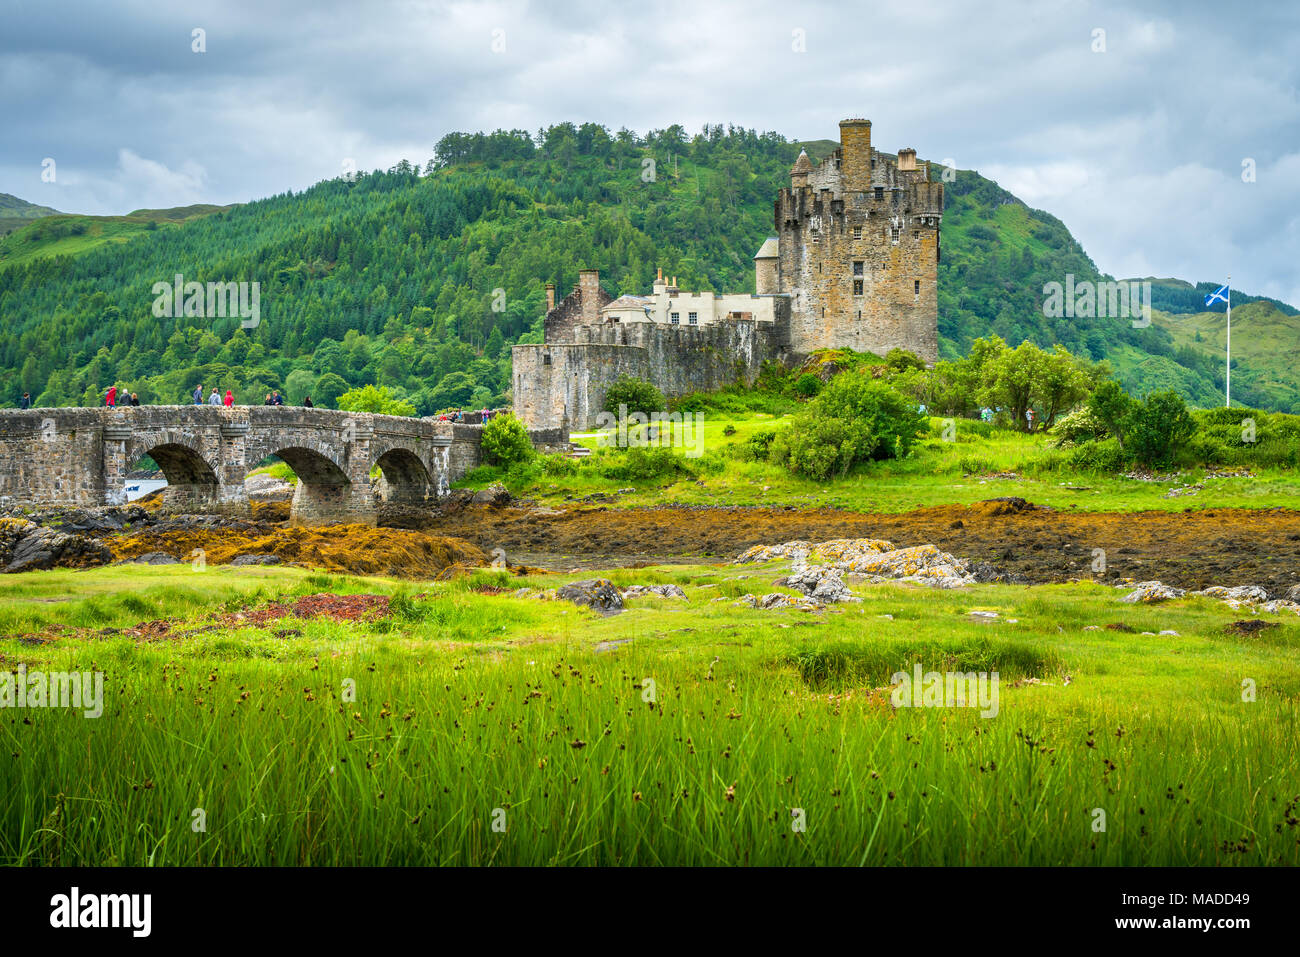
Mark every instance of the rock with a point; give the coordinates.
(599, 594)
(267, 488)
(1147, 593)
(40, 549)
(875, 559)
(155, 558)
(1293, 593)
(1279, 605)
(256, 558)
(496, 495)
(1251, 594)
(820, 583)
(653, 591)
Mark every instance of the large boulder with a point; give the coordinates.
(821, 583)
(38, 549)
(599, 594)
(653, 591)
(497, 495)
(1148, 593)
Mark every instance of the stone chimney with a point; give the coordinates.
(855, 155)
(589, 289)
(907, 160)
(550, 296)
(660, 286)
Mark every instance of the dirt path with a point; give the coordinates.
(1191, 549)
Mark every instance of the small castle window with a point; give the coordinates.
(693, 318)
(916, 234)
(916, 288)
(895, 234)
(857, 267)
(676, 319)
(546, 359)
(857, 232)
(857, 287)
(880, 192)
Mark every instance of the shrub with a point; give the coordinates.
(1081, 425)
(807, 385)
(1104, 456)
(643, 464)
(505, 441)
(558, 465)
(757, 446)
(636, 394)
(1111, 406)
(901, 360)
(1156, 429)
(853, 420)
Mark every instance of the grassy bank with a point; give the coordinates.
(676, 732)
(977, 463)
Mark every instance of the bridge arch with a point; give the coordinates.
(406, 479)
(191, 479)
(324, 488)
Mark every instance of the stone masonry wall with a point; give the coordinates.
(566, 382)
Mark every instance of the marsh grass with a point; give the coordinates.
(467, 702)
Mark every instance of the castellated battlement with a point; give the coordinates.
(853, 264)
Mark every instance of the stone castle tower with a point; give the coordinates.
(857, 250)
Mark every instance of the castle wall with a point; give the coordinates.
(566, 382)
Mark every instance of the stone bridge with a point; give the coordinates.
(81, 456)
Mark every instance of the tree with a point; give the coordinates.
(633, 396)
(374, 399)
(1062, 384)
(328, 389)
(505, 441)
(1111, 405)
(1158, 427)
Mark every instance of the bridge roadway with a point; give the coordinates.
(81, 456)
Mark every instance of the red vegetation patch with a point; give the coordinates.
(324, 605)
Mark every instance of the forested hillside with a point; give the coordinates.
(419, 279)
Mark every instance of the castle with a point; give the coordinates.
(853, 264)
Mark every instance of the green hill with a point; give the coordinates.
(420, 280)
(61, 234)
(16, 213)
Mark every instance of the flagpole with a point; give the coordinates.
(1227, 395)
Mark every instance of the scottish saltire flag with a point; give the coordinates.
(1219, 295)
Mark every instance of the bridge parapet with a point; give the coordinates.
(81, 456)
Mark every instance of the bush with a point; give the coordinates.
(757, 446)
(643, 464)
(636, 394)
(505, 442)
(1104, 456)
(854, 420)
(1081, 425)
(807, 385)
(1157, 429)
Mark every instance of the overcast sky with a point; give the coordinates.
(1135, 137)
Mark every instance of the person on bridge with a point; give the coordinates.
(198, 394)
(27, 400)
(307, 403)
(230, 399)
(135, 399)
(110, 399)
(267, 400)
(276, 398)
(215, 398)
